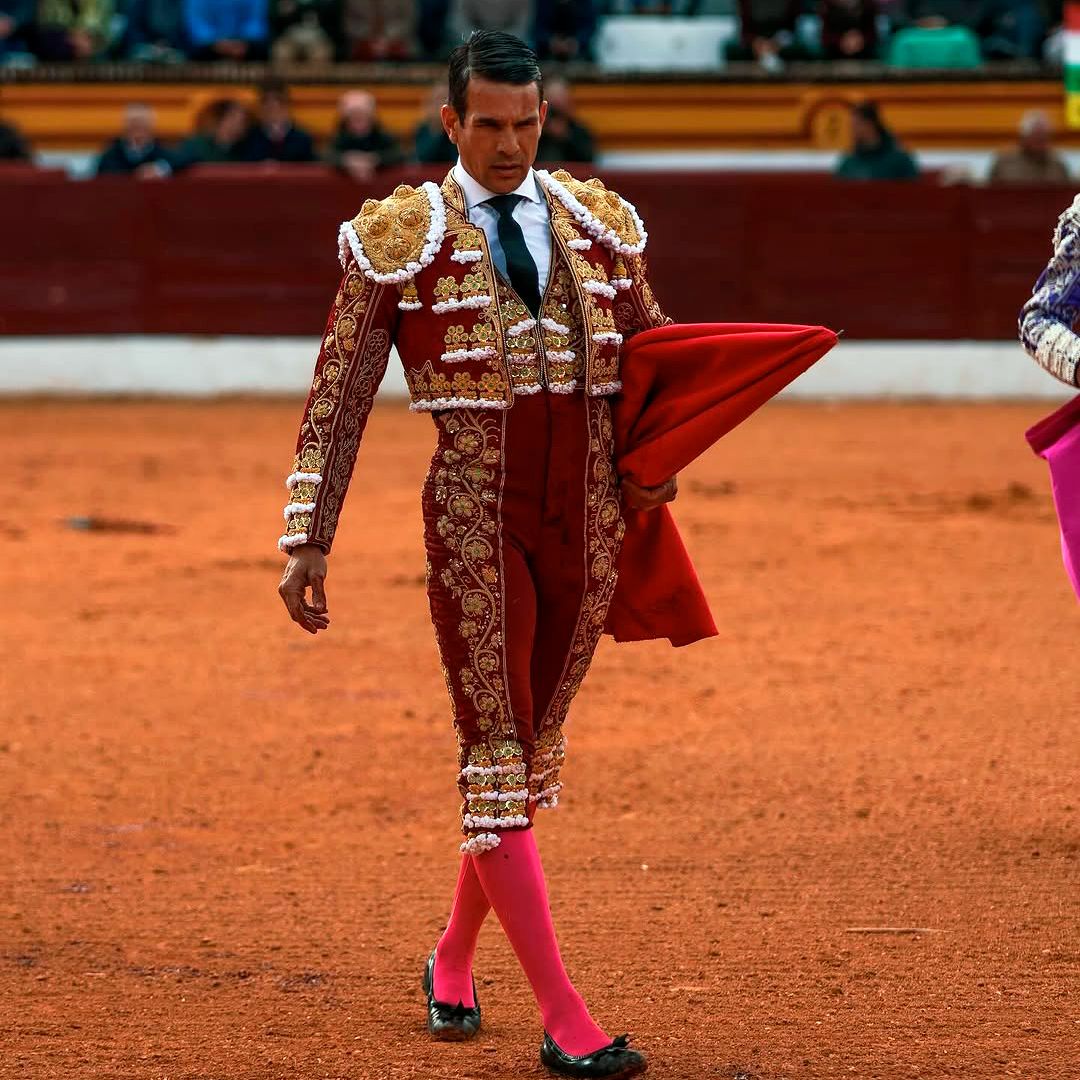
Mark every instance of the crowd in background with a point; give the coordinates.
(228, 132)
(771, 32)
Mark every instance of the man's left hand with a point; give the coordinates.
(648, 498)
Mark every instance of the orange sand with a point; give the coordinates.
(227, 848)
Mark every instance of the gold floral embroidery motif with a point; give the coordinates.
(494, 786)
(394, 230)
(604, 530)
(338, 372)
(465, 488)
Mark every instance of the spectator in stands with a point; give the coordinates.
(275, 137)
(848, 29)
(12, 145)
(1006, 28)
(306, 31)
(1032, 160)
(768, 33)
(512, 16)
(875, 153)
(137, 152)
(564, 138)
(75, 29)
(223, 127)
(431, 144)
(16, 26)
(361, 146)
(155, 32)
(380, 29)
(564, 29)
(227, 29)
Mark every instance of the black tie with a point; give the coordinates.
(519, 263)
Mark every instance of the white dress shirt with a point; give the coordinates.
(531, 214)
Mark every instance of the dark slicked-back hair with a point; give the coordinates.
(492, 55)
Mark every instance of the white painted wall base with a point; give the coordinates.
(206, 366)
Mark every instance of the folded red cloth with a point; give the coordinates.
(684, 387)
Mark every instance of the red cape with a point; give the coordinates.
(685, 387)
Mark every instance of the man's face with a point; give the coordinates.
(275, 110)
(863, 131)
(497, 139)
(139, 125)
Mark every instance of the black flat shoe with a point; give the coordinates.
(449, 1023)
(614, 1061)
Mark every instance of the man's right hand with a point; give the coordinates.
(306, 569)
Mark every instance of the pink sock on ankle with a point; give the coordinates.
(513, 879)
(456, 948)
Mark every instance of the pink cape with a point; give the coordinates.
(1057, 438)
(685, 387)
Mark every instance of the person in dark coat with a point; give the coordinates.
(431, 144)
(219, 140)
(137, 151)
(564, 138)
(875, 153)
(276, 137)
(361, 146)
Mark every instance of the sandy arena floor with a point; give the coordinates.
(226, 848)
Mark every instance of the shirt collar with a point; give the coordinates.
(476, 193)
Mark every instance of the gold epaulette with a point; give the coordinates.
(394, 238)
(613, 212)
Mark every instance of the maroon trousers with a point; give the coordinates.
(522, 524)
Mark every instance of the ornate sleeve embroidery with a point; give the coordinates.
(636, 308)
(349, 368)
(1046, 320)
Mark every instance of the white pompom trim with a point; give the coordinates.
(562, 356)
(285, 543)
(520, 328)
(349, 241)
(302, 478)
(609, 335)
(491, 770)
(528, 388)
(553, 326)
(468, 256)
(579, 244)
(477, 845)
(546, 794)
(456, 356)
(409, 305)
(501, 796)
(483, 821)
(605, 388)
(600, 288)
(434, 404)
(563, 387)
(590, 223)
(298, 508)
(622, 282)
(479, 301)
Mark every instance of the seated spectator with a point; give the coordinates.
(563, 137)
(16, 26)
(223, 127)
(137, 152)
(12, 145)
(227, 29)
(75, 29)
(155, 32)
(512, 16)
(564, 29)
(361, 146)
(1032, 160)
(306, 31)
(380, 29)
(431, 144)
(275, 137)
(848, 29)
(875, 153)
(768, 33)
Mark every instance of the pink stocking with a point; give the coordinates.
(513, 879)
(454, 953)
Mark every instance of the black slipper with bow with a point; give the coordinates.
(614, 1061)
(449, 1023)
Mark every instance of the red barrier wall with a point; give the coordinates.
(225, 251)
